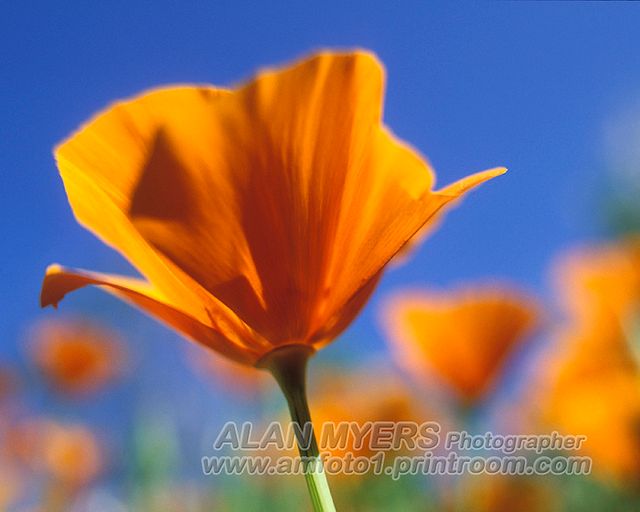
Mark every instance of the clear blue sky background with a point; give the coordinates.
(525, 85)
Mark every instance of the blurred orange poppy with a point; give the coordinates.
(601, 279)
(70, 454)
(260, 217)
(75, 356)
(592, 373)
(464, 337)
(594, 390)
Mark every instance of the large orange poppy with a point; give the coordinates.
(259, 217)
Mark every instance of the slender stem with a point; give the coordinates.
(288, 365)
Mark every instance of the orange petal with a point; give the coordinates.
(395, 212)
(462, 186)
(101, 165)
(59, 281)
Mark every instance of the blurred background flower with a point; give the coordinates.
(75, 356)
(592, 372)
(464, 337)
(68, 453)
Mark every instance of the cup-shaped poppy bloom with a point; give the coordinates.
(76, 357)
(591, 378)
(259, 217)
(67, 453)
(591, 387)
(601, 279)
(463, 337)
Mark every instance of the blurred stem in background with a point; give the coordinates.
(288, 365)
(633, 338)
(620, 207)
(155, 461)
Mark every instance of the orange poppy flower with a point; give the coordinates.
(593, 373)
(600, 287)
(259, 217)
(593, 389)
(70, 454)
(464, 337)
(603, 278)
(76, 357)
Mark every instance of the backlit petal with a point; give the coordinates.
(101, 165)
(60, 281)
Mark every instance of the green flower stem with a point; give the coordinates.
(288, 365)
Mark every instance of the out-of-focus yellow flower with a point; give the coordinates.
(75, 356)
(592, 377)
(601, 280)
(69, 454)
(72, 454)
(595, 391)
(260, 217)
(463, 336)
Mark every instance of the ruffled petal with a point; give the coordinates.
(101, 166)
(59, 281)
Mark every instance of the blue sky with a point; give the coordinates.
(472, 85)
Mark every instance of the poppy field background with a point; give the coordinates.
(551, 91)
